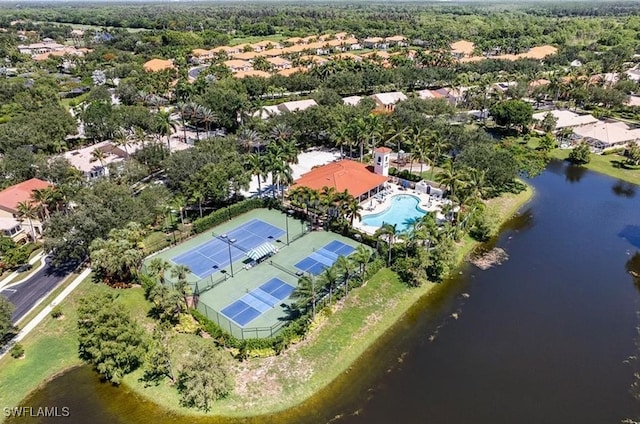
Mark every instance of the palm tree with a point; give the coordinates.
(389, 232)
(158, 268)
(197, 194)
(249, 139)
(26, 210)
(184, 109)
(44, 198)
(181, 272)
(328, 279)
(450, 177)
(362, 257)
(207, 116)
(306, 292)
(346, 268)
(179, 202)
(120, 139)
(352, 208)
(256, 165)
(98, 155)
(165, 126)
(281, 132)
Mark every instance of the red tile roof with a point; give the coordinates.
(11, 196)
(343, 175)
(383, 150)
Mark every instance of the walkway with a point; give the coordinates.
(46, 311)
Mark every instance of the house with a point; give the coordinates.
(272, 53)
(251, 73)
(313, 60)
(236, 65)
(156, 65)
(261, 46)
(351, 100)
(10, 223)
(85, 160)
(267, 112)
(396, 40)
(290, 71)
(566, 118)
(246, 55)
(462, 48)
(607, 135)
(387, 101)
(426, 95)
(383, 55)
(347, 56)
(374, 43)
(279, 63)
(345, 175)
(202, 55)
(46, 46)
(297, 105)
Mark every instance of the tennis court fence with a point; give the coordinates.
(206, 284)
(236, 331)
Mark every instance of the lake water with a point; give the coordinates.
(543, 338)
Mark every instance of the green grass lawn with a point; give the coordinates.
(612, 165)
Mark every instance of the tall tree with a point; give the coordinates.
(204, 378)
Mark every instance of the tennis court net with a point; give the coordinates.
(281, 268)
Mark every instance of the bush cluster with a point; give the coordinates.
(205, 223)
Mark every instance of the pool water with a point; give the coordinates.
(403, 208)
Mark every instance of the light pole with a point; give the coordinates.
(286, 220)
(225, 238)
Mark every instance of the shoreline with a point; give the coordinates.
(318, 384)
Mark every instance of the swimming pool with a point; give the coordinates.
(403, 208)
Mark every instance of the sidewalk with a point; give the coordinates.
(46, 311)
(15, 274)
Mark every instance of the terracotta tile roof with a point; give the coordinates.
(354, 177)
(246, 55)
(291, 71)
(155, 65)
(463, 47)
(11, 196)
(383, 150)
(252, 73)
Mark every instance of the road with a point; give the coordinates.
(24, 295)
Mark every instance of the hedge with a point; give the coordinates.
(205, 223)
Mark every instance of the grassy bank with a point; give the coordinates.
(263, 386)
(611, 165)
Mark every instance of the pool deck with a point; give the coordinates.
(373, 206)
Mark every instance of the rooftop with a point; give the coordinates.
(463, 47)
(608, 133)
(155, 65)
(389, 98)
(566, 118)
(354, 177)
(11, 196)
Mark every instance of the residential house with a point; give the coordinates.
(202, 55)
(450, 94)
(290, 71)
(272, 52)
(352, 100)
(374, 43)
(426, 95)
(156, 65)
(11, 224)
(297, 105)
(607, 135)
(85, 160)
(387, 101)
(313, 60)
(236, 65)
(461, 49)
(279, 63)
(347, 56)
(566, 119)
(46, 46)
(251, 73)
(396, 40)
(261, 46)
(246, 55)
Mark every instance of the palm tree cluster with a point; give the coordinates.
(275, 161)
(327, 204)
(333, 282)
(197, 115)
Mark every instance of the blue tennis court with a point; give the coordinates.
(258, 301)
(324, 257)
(213, 255)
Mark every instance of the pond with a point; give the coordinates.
(543, 338)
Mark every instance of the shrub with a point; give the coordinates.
(17, 351)
(56, 312)
(580, 155)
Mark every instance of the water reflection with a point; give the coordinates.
(631, 233)
(574, 173)
(624, 189)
